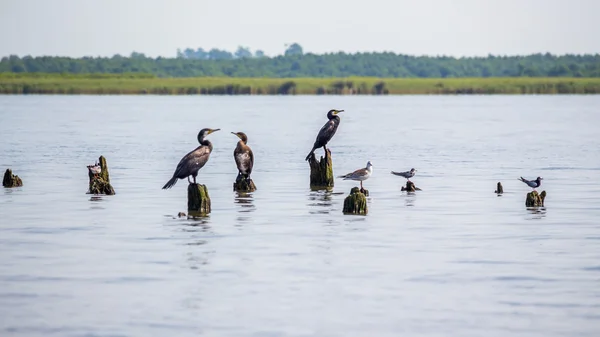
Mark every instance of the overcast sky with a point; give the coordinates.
(418, 27)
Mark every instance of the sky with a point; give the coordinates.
(416, 27)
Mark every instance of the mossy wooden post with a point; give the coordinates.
(100, 183)
(198, 200)
(11, 180)
(242, 184)
(410, 187)
(499, 189)
(356, 202)
(534, 199)
(321, 172)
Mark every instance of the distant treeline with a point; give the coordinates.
(131, 84)
(294, 63)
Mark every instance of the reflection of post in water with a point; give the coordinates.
(537, 212)
(245, 201)
(322, 199)
(246, 204)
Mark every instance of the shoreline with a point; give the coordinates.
(105, 84)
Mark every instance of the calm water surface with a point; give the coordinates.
(453, 259)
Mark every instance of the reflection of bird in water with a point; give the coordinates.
(407, 174)
(244, 158)
(192, 162)
(327, 131)
(95, 170)
(532, 183)
(360, 174)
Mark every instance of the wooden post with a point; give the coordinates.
(356, 202)
(100, 183)
(410, 187)
(242, 184)
(321, 172)
(534, 199)
(11, 180)
(499, 189)
(198, 200)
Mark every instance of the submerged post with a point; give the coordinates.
(243, 184)
(198, 200)
(534, 199)
(321, 172)
(99, 178)
(499, 189)
(356, 202)
(410, 187)
(11, 180)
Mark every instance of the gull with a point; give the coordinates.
(407, 174)
(360, 174)
(532, 183)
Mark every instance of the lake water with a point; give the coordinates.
(453, 259)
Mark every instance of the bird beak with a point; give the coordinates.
(237, 134)
(338, 111)
(213, 130)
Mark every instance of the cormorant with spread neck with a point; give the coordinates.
(327, 131)
(192, 162)
(244, 158)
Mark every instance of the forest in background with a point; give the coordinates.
(294, 63)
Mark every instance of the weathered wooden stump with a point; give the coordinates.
(198, 200)
(499, 189)
(356, 202)
(11, 180)
(321, 172)
(243, 184)
(99, 178)
(534, 199)
(410, 187)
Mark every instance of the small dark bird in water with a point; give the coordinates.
(327, 131)
(244, 158)
(192, 162)
(532, 183)
(407, 174)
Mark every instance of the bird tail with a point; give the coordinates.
(521, 179)
(170, 183)
(310, 154)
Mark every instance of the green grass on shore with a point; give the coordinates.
(115, 84)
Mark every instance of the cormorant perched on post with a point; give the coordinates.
(192, 162)
(244, 159)
(327, 131)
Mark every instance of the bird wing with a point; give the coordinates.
(402, 174)
(357, 173)
(325, 134)
(192, 162)
(244, 161)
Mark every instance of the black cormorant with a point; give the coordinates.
(244, 159)
(327, 131)
(192, 162)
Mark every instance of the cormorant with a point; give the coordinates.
(533, 183)
(327, 131)
(244, 159)
(407, 174)
(360, 174)
(192, 162)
